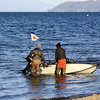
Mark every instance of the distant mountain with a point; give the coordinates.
(23, 6)
(82, 6)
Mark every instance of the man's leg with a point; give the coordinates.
(38, 70)
(33, 68)
(38, 62)
(58, 70)
(64, 70)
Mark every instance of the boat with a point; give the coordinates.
(71, 68)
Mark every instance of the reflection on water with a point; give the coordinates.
(51, 86)
(35, 81)
(35, 87)
(60, 80)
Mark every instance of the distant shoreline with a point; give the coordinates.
(49, 12)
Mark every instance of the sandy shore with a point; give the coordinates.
(92, 97)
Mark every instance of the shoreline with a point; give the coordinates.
(90, 97)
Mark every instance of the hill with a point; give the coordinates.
(82, 6)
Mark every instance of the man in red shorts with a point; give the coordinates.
(60, 57)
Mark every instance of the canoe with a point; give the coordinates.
(71, 68)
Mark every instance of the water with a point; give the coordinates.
(79, 35)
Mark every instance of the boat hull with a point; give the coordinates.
(71, 68)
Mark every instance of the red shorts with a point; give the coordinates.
(61, 63)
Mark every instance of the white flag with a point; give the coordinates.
(34, 37)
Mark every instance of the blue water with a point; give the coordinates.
(79, 35)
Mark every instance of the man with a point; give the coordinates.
(60, 57)
(37, 56)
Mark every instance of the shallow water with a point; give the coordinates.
(79, 36)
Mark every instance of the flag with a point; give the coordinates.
(34, 37)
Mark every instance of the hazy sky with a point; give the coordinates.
(30, 5)
(55, 2)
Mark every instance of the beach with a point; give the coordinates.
(91, 97)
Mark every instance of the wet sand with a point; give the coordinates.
(92, 97)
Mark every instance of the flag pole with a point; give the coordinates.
(31, 38)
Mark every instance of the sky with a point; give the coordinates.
(56, 2)
(30, 5)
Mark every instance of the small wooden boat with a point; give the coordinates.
(71, 68)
